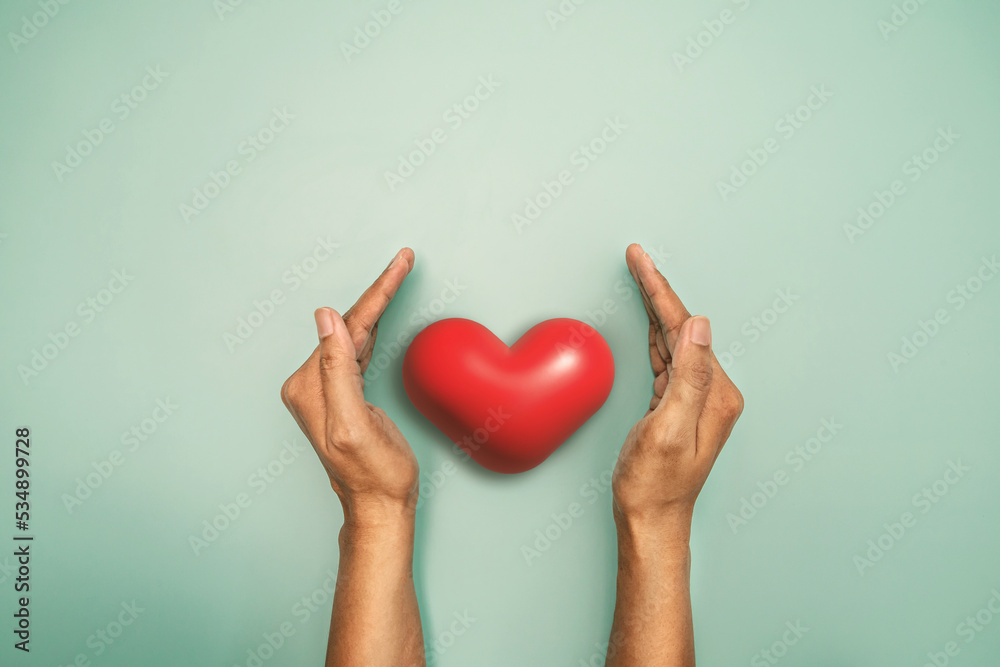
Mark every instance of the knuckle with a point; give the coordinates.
(382, 300)
(331, 362)
(697, 376)
(732, 404)
(675, 437)
(739, 403)
(291, 390)
(675, 330)
(356, 322)
(659, 433)
(327, 361)
(345, 434)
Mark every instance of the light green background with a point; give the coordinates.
(323, 176)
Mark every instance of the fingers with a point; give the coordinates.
(340, 374)
(664, 304)
(658, 357)
(362, 323)
(658, 352)
(365, 354)
(691, 376)
(363, 315)
(659, 387)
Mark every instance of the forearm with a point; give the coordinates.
(652, 623)
(375, 620)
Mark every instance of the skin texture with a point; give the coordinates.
(663, 465)
(375, 620)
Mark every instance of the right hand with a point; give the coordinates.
(669, 453)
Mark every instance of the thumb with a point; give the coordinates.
(339, 372)
(691, 375)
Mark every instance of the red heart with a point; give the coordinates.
(508, 408)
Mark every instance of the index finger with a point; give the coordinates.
(666, 305)
(659, 354)
(365, 313)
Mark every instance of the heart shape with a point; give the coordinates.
(508, 408)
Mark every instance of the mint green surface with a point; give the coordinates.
(860, 293)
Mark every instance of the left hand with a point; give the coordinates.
(369, 462)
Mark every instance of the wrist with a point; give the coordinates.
(376, 547)
(373, 518)
(663, 532)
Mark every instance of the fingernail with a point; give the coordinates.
(394, 259)
(701, 331)
(324, 322)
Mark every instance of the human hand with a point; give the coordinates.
(370, 464)
(669, 453)
(375, 619)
